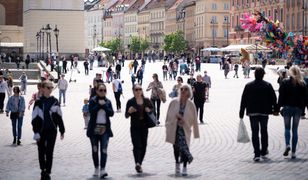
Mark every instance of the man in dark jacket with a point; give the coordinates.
(259, 100)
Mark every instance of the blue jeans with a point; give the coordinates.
(16, 125)
(290, 113)
(62, 93)
(103, 141)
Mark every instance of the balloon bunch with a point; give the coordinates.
(274, 36)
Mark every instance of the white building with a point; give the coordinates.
(93, 24)
(68, 15)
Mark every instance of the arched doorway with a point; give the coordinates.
(2, 15)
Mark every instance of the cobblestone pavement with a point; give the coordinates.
(217, 155)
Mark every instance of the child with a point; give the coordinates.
(86, 113)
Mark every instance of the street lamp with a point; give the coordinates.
(227, 21)
(257, 41)
(304, 9)
(43, 37)
(0, 44)
(48, 31)
(56, 31)
(212, 23)
(37, 44)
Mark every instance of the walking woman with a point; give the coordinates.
(176, 87)
(46, 117)
(292, 99)
(99, 128)
(155, 86)
(16, 105)
(23, 82)
(137, 108)
(181, 117)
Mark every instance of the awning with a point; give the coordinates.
(248, 47)
(101, 49)
(211, 49)
(11, 44)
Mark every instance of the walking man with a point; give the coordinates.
(208, 82)
(86, 67)
(64, 65)
(199, 89)
(118, 70)
(117, 90)
(62, 85)
(3, 90)
(259, 100)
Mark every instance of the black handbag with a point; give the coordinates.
(151, 120)
(14, 115)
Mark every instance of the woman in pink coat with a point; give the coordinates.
(181, 117)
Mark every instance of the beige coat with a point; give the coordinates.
(190, 120)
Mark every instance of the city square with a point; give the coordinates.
(185, 56)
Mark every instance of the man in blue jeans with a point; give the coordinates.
(259, 100)
(62, 85)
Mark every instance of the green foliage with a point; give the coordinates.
(175, 42)
(138, 44)
(114, 45)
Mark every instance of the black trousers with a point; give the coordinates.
(86, 71)
(199, 106)
(139, 136)
(64, 69)
(256, 122)
(45, 149)
(2, 97)
(156, 105)
(117, 96)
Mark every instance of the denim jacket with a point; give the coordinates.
(10, 106)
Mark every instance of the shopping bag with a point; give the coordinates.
(242, 136)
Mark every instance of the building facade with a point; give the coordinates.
(296, 16)
(270, 8)
(211, 25)
(11, 26)
(68, 15)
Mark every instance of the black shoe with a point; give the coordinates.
(18, 142)
(256, 158)
(1, 111)
(201, 122)
(14, 141)
(286, 152)
(158, 122)
(138, 168)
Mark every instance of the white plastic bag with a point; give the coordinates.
(242, 136)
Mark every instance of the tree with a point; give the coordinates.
(114, 45)
(175, 42)
(135, 45)
(144, 45)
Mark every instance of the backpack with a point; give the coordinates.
(120, 90)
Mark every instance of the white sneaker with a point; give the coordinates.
(103, 173)
(96, 172)
(184, 171)
(293, 155)
(177, 168)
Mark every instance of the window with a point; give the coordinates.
(226, 6)
(214, 32)
(226, 33)
(214, 19)
(293, 22)
(214, 6)
(299, 23)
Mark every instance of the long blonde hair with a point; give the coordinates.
(297, 77)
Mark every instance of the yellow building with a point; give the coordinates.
(211, 22)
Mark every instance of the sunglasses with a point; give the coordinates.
(102, 90)
(138, 89)
(184, 89)
(49, 87)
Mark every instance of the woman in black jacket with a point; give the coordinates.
(293, 99)
(46, 117)
(137, 108)
(99, 128)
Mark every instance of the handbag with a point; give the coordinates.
(242, 136)
(151, 120)
(14, 115)
(99, 129)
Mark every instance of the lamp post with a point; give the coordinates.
(257, 41)
(0, 44)
(43, 37)
(304, 9)
(37, 44)
(48, 31)
(56, 31)
(212, 23)
(227, 21)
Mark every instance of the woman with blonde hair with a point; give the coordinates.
(292, 99)
(181, 117)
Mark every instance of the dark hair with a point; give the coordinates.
(16, 88)
(155, 76)
(181, 79)
(259, 73)
(45, 83)
(99, 85)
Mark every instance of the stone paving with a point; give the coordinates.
(217, 155)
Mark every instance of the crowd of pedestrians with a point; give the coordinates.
(186, 108)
